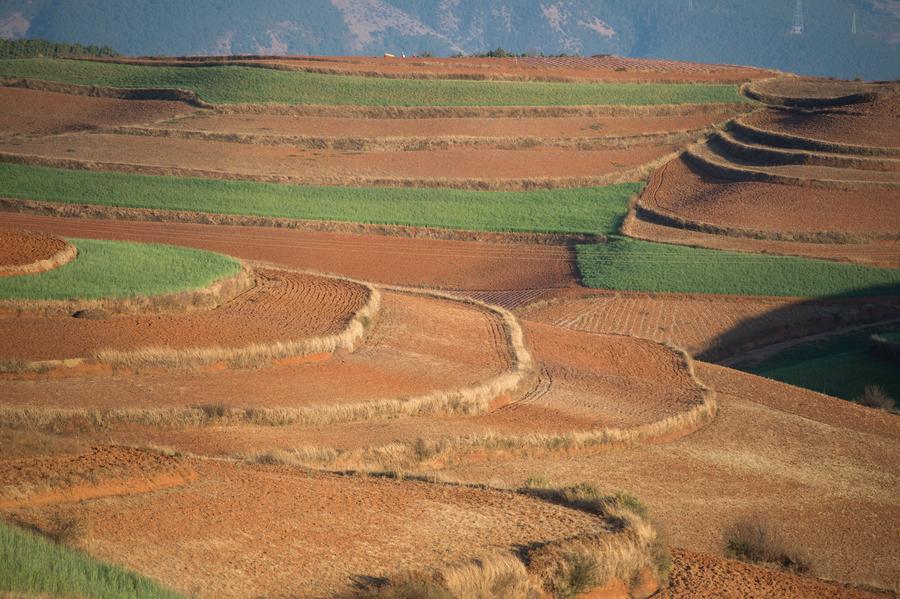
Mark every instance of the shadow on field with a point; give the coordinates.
(804, 318)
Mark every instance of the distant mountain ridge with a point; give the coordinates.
(719, 31)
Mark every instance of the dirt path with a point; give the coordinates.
(417, 262)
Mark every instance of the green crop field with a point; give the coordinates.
(234, 84)
(116, 269)
(840, 366)
(592, 211)
(630, 264)
(31, 565)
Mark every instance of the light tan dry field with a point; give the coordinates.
(572, 386)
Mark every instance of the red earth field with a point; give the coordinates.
(600, 68)
(27, 112)
(245, 467)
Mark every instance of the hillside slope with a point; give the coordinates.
(721, 31)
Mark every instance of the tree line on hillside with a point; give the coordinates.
(25, 48)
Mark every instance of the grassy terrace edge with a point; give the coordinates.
(589, 211)
(31, 565)
(634, 265)
(120, 269)
(238, 84)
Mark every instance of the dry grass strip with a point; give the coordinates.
(433, 112)
(474, 399)
(491, 184)
(60, 258)
(785, 140)
(418, 144)
(643, 206)
(768, 155)
(208, 298)
(442, 452)
(701, 156)
(42, 208)
(751, 90)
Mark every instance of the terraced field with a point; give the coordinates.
(447, 295)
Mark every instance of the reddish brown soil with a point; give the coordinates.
(283, 306)
(420, 262)
(216, 159)
(586, 382)
(879, 253)
(20, 248)
(704, 576)
(600, 68)
(807, 87)
(263, 531)
(418, 345)
(30, 112)
(711, 327)
(567, 127)
(823, 470)
(882, 130)
(100, 472)
(679, 190)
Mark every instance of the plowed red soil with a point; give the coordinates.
(215, 159)
(283, 306)
(704, 576)
(421, 262)
(807, 87)
(100, 472)
(31, 112)
(822, 469)
(599, 68)
(20, 247)
(880, 253)
(586, 382)
(273, 531)
(569, 127)
(677, 189)
(418, 345)
(881, 130)
(710, 327)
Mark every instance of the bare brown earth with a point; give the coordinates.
(711, 327)
(841, 126)
(601, 68)
(821, 468)
(276, 531)
(27, 112)
(21, 248)
(878, 252)
(682, 191)
(703, 576)
(287, 163)
(418, 345)
(419, 262)
(568, 127)
(283, 306)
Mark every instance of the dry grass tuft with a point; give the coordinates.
(876, 397)
(754, 539)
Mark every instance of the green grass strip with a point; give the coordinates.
(32, 565)
(117, 269)
(234, 84)
(592, 211)
(838, 366)
(629, 264)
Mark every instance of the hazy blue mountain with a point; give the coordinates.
(725, 31)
